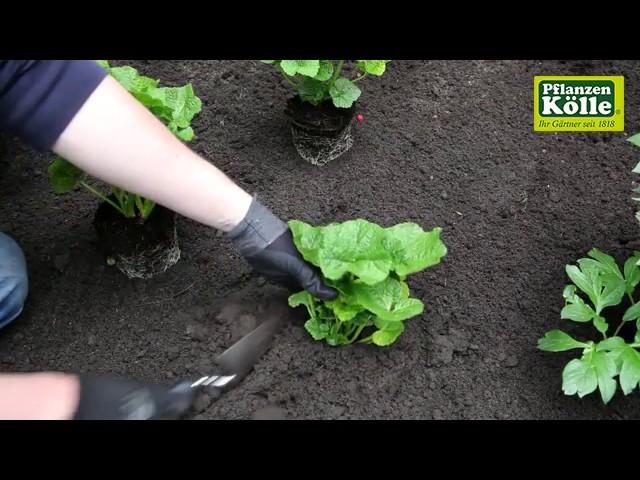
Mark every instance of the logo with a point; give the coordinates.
(578, 104)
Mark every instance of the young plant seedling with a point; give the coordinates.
(597, 284)
(317, 81)
(368, 266)
(175, 106)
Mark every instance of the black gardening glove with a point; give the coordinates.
(111, 399)
(266, 243)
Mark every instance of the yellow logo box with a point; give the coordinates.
(578, 104)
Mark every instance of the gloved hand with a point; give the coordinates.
(266, 243)
(111, 399)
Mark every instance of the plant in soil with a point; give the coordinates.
(599, 284)
(368, 265)
(323, 108)
(317, 81)
(175, 106)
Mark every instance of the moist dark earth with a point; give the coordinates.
(443, 143)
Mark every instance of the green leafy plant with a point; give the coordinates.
(368, 265)
(598, 283)
(174, 106)
(317, 81)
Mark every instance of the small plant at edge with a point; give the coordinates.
(597, 284)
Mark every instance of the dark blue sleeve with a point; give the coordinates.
(39, 98)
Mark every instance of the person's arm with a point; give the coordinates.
(115, 138)
(38, 396)
(85, 116)
(61, 396)
(75, 109)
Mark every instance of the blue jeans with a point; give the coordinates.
(14, 284)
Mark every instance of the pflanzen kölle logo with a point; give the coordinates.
(578, 104)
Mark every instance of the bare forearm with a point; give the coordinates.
(38, 396)
(114, 138)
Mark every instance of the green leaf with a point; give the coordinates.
(604, 285)
(627, 361)
(388, 333)
(632, 272)
(593, 370)
(300, 298)
(270, 62)
(176, 106)
(142, 84)
(372, 67)
(336, 338)
(569, 292)
(185, 134)
(601, 324)
(635, 139)
(344, 92)
(558, 341)
(325, 71)
(579, 377)
(576, 309)
(632, 313)
(636, 169)
(344, 311)
(317, 330)
(594, 276)
(308, 68)
(608, 282)
(612, 343)
(387, 300)
(606, 263)
(355, 246)
(312, 91)
(303, 298)
(413, 249)
(630, 371)
(580, 280)
(308, 240)
(124, 75)
(612, 293)
(578, 312)
(64, 176)
(104, 64)
(180, 104)
(368, 250)
(605, 370)
(363, 318)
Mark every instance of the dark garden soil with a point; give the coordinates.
(322, 119)
(443, 144)
(129, 236)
